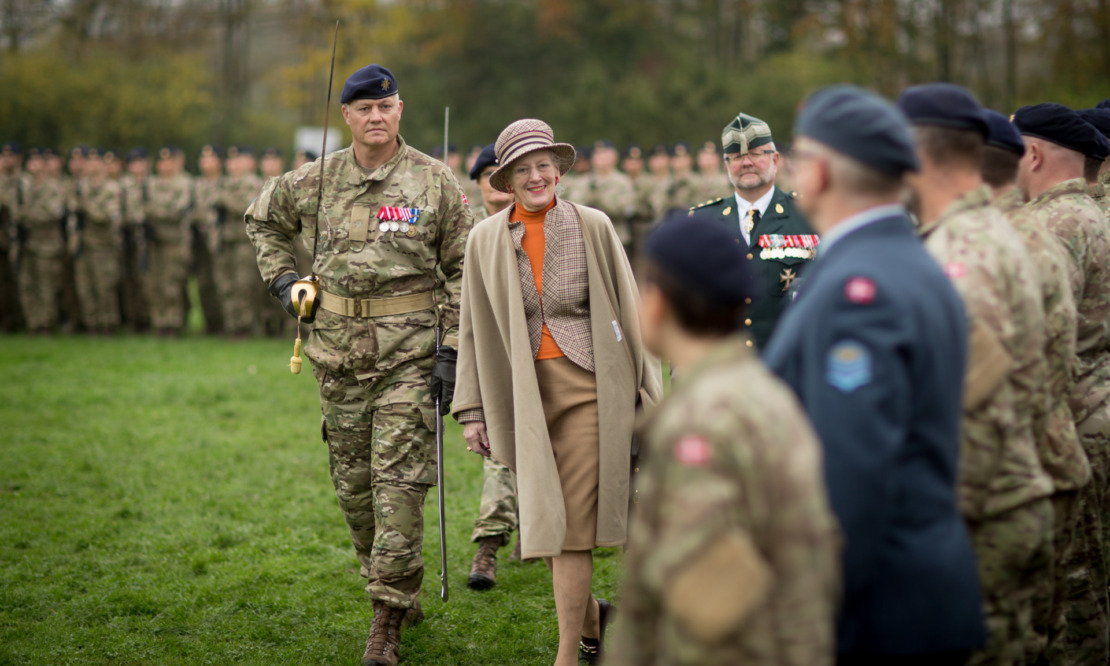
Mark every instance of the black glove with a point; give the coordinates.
(443, 378)
(282, 290)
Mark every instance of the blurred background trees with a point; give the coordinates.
(125, 72)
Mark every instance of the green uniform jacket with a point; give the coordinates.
(776, 274)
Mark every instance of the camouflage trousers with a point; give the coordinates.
(207, 288)
(382, 460)
(241, 287)
(1085, 639)
(98, 270)
(164, 283)
(497, 515)
(40, 282)
(1015, 553)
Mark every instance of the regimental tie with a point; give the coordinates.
(753, 219)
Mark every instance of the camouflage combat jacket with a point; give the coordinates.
(712, 186)
(1076, 221)
(1000, 467)
(1100, 192)
(1061, 452)
(732, 554)
(41, 212)
(165, 205)
(360, 258)
(99, 205)
(235, 196)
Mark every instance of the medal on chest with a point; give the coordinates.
(395, 219)
(782, 246)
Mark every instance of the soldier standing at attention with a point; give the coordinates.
(683, 190)
(1098, 176)
(712, 181)
(777, 239)
(41, 201)
(136, 312)
(497, 515)
(11, 173)
(206, 192)
(608, 190)
(733, 554)
(271, 317)
(1050, 176)
(1062, 455)
(164, 255)
(643, 206)
(874, 346)
(389, 261)
(236, 269)
(577, 180)
(95, 245)
(1004, 490)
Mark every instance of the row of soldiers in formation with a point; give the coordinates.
(113, 242)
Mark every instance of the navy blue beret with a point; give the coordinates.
(861, 125)
(680, 148)
(702, 254)
(80, 150)
(137, 153)
(603, 143)
(661, 149)
(271, 152)
(1001, 133)
(584, 152)
(11, 147)
(486, 158)
(1060, 125)
(211, 149)
(370, 82)
(942, 105)
(633, 151)
(1100, 120)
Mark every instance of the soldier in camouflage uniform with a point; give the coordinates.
(732, 553)
(206, 192)
(497, 514)
(1061, 454)
(713, 182)
(574, 183)
(1050, 176)
(95, 240)
(1098, 178)
(607, 189)
(11, 172)
(167, 199)
(39, 246)
(1004, 490)
(682, 191)
(236, 269)
(136, 314)
(389, 261)
(643, 200)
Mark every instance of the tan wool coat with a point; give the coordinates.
(496, 372)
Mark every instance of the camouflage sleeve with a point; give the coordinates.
(457, 222)
(273, 220)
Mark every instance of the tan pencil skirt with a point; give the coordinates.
(569, 396)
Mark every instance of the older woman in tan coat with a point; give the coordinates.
(551, 368)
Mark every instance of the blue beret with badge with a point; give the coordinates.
(942, 105)
(11, 148)
(370, 82)
(861, 125)
(1060, 125)
(702, 254)
(1001, 133)
(486, 158)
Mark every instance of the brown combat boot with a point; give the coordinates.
(383, 645)
(483, 572)
(413, 616)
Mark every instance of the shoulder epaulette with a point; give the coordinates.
(707, 203)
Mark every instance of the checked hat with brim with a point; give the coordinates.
(523, 137)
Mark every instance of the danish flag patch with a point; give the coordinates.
(859, 290)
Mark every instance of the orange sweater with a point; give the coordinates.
(533, 245)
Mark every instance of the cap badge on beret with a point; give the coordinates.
(385, 84)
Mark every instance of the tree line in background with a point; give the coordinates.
(187, 72)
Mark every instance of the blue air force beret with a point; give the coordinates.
(860, 125)
(1001, 133)
(137, 153)
(11, 148)
(486, 158)
(1100, 118)
(703, 255)
(1060, 125)
(370, 82)
(942, 105)
(661, 149)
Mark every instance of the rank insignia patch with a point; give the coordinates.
(848, 366)
(693, 451)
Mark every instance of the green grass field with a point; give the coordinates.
(168, 502)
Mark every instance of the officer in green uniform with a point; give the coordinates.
(389, 258)
(779, 241)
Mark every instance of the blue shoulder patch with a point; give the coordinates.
(848, 366)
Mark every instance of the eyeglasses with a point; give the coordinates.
(754, 155)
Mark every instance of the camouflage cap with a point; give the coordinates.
(745, 133)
